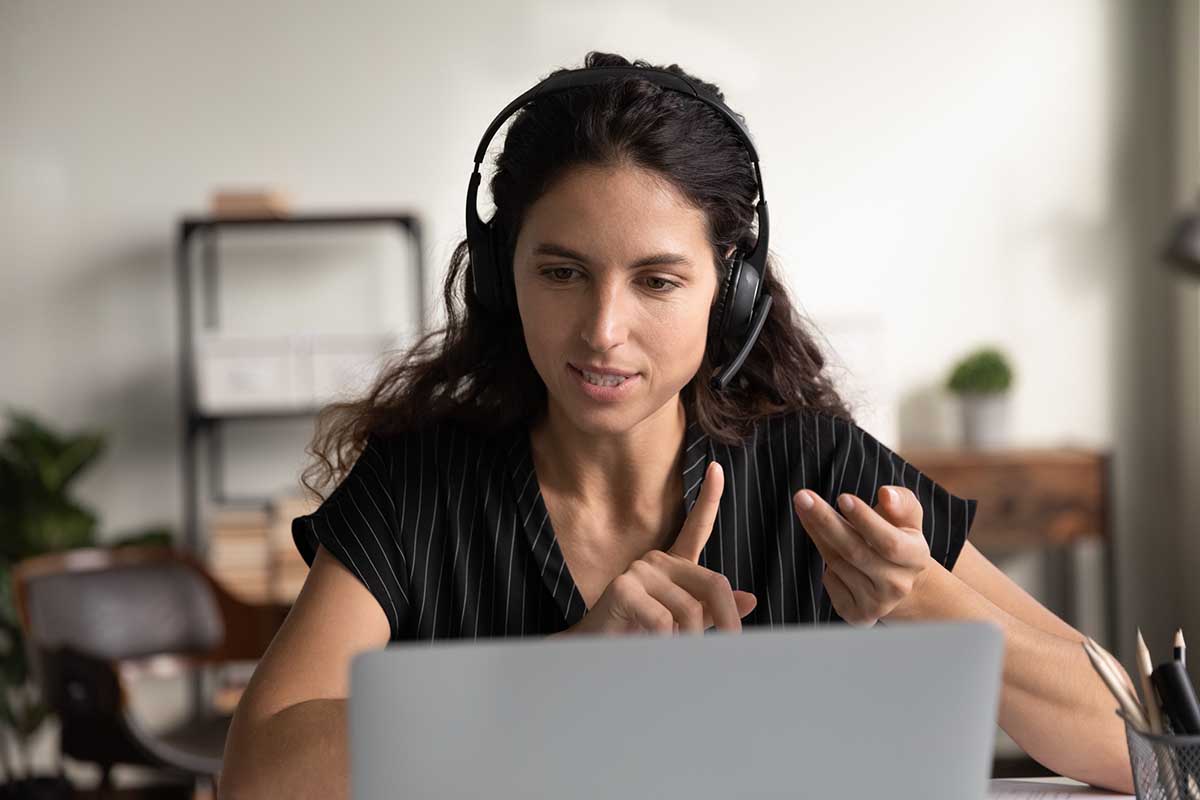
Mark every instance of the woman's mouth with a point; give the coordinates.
(603, 387)
(598, 379)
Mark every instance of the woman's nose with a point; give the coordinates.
(605, 324)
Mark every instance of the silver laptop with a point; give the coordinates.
(905, 711)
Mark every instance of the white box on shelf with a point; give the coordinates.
(274, 373)
(246, 374)
(345, 365)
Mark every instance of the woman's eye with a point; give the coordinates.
(554, 273)
(657, 285)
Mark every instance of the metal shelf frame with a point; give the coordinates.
(196, 423)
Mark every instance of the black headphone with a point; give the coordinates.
(742, 306)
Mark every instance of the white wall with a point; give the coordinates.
(958, 173)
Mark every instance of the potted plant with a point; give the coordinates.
(38, 514)
(981, 381)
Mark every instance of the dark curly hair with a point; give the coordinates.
(476, 370)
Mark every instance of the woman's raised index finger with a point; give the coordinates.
(699, 523)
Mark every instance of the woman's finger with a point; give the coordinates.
(836, 538)
(905, 547)
(687, 611)
(711, 588)
(647, 613)
(699, 523)
(859, 584)
(900, 507)
(746, 602)
(843, 600)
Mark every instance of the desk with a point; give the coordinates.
(1046, 789)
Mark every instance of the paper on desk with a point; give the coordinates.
(1046, 790)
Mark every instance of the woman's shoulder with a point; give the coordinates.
(803, 425)
(396, 470)
(816, 441)
(828, 433)
(437, 438)
(439, 452)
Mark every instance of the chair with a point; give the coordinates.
(94, 617)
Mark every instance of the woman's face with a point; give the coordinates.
(613, 270)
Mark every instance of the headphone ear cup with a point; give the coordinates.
(505, 291)
(733, 313)
(483, 273)
(742, 302)
(488, 271)
(720, 312)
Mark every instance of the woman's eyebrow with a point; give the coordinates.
(664, 258)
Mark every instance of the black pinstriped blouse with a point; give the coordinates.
(449, 532)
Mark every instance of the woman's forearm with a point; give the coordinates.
(298, 752)
(1053, 704)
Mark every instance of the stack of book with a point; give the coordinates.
(249, 202)
(238, 551)
(251, 552)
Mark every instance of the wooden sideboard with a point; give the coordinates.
(1033, 499)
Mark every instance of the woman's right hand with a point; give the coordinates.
(668, 591)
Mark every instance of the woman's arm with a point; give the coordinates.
(1053, 704)
(288, 737)
(299, 751)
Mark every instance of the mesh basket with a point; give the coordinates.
(1165, 766)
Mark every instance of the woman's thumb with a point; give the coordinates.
(745, 602)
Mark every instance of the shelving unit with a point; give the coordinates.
(198, 423)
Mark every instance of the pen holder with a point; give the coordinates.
(1165, 766)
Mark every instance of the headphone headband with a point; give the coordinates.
(596, 75)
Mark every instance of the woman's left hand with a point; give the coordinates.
(875, 558)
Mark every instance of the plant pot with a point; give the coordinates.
(45, 787)
(985, 418)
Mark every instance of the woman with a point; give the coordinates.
(520, 473)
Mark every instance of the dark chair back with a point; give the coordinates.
(88, 614)
(127, 611)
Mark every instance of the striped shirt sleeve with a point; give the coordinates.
(357, 524)
(862, 465)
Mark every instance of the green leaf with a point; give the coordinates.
(14, 671)
(8, 609)
(77, 454)
(45, 457)
(30, 719)
(985, 370)
(37, 515)
(7, 717)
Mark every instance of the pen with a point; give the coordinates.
(1168, 774)
(1179, 699)
(1179, 706)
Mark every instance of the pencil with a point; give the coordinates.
(1165, 761)
(1145, 667)
(1180, 650)
(1115, 667)
(1128, 704)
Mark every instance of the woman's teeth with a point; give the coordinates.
(603, 380)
